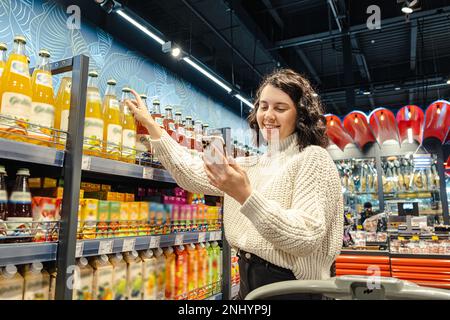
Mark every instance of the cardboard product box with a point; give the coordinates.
(188, 220)
(44, 210)
(90, 187)
(89, 212)
(152, 217)
(133, 218)
(160, 218)
(114, 217)
(103, 218)
(101, 195)
(105, 187)
(143, 224)
(129, 197)
(120, 196)
(166, 219)
(124, 219)
(175, 217)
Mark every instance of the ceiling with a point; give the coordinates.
(404, 62)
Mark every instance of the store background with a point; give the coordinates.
(44, 24)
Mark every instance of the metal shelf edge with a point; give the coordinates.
(27, 152)
(23, 253)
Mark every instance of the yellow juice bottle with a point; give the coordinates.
(15, 93)
(112, 131)
(3, 49)
(43, 106)
(93, 122)
(62, 110)
(129, 130)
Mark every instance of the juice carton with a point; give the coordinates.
(37, 282)
(210, 278)
(120, 196)
(175, 217)
(192, 271)
(150, 287)
(133, 218)
(103, 278)
(44, 209)
(135, 279)
(202, 270)
(103, 218)
(83, 280)
(170, 273)
(105, 187)
(11, 283)
(217, 267)
(160, 274)
(89, 210)
(143, 223)
(114, 216)
(124, 219)
(160, 219)
(181, 273)
(119, 287)
(194, 217)
(129, 197)
(188, 220)
(166, 220)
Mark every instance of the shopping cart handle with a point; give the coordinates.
(352, 287)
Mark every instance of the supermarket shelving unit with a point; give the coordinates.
(72, 164)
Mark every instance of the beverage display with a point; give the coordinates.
(62, 104)
(129, 130)
(169, 123)
(103, 278)
(83, 280)
(15, 93)
(19, 216)
(112, 131)
(37, 282)
(11, 283)
(142, 136)
(135, 279)
(42, 116)
(93, 122)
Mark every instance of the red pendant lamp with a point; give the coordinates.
(437, 120)
(410, 123)
(383, 124)
(336, 132)
(355, 123)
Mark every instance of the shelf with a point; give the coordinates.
(365, 252)
(95, 247)
(420, 256)
(217, 296)
(27, 152)
(118, 168)
(22, 253)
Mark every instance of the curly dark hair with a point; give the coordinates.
(310, 122)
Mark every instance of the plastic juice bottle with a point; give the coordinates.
(135, 279)
(103, 278)
(198, 134)
(43, 105)
(120, 285)
(129, 130)
(112, 131)
(142, 136)
(202, 270)
(150, 262)
(170, 273)
(169, 123)
(181, 270)
(217, 267)
(93, 122)
(192, 272)
(189, 131)
(11, 283)
(179, 127)
(20, 216)
(37, 282)
(210, 279)
(3, 49)
(15, 93)
(160, 274)
(62, 110)
(83, 280)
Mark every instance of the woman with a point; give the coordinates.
(282, 210)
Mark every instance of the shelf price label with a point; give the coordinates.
(434, 238)
(202, 237)
(106, 247)
(154, 242)
(359, 227)
(215, 236)
(79, 249)
(86, 163)
(147, 173)
(401, 238)
(415, 238)
(179, 239)
(128, 245)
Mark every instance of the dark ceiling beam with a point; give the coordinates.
(308, 65)
(362, 65)
(386, 23)
(273, 12)
(413, 55)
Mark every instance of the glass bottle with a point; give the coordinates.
(179, 128)
(198, 134)
(112, 131)
(129, 129)
(235, 149)
(156, 114)
(43, 105)
(3, 49)
(93, 122)
(142, 136)
(169, 123)
(205, 129)
(62, 103)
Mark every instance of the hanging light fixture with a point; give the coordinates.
(382, 116)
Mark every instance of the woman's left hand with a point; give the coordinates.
(228, 176)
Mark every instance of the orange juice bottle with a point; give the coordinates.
(160, 274)
(3, 49)
(15, 93)
(181, 271)
(170, 273)
(129, 130)
(93, 122)
(192, 271)
(112, 131)
(202, 268)
(62, 110)
(43, 105)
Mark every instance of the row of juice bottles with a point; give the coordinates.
(185, 272)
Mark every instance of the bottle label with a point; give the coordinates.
(44, 79)
(181, 131)
(93, 133)
(3, 196)
(11, 290)
(135, 281)
(18, 67)
(104, 284)
(160, 121)
(17, 106)
(172, 126)
(114, 138)
(128, 142)
(20, 197)
(43, 115)
(120, 282)
(189, 134)
(114, 104)
(141, 141)
(37, 289)
(93, 96)
(65, 120)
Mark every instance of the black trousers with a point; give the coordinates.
(255, 272)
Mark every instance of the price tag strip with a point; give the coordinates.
(202, 237)
(179, 239)
(147, 173)
(86, 163)
(154, 242)
(106, 247)
(128, 244)
(79, 249)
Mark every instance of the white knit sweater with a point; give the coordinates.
(294, 216)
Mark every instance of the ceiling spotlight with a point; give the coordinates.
(366, 93)
(407, 10)
(108, 5)
(397, 88)
(448, 81)
(176, 52)
(332, 123)
(382, 116)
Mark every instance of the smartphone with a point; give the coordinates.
(214, 155)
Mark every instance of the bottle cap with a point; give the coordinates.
(36, 267)
(44, 53)
(178, 113)
(23, 172)
(20, 38)
(156, 101)
(198, 122)
(2, 169)
(188, 117)
(148, 253)
(104, 258)
(143, 96)
(3, 46)
(126, 89)
(93, 74)
(111, 82)
(10, 270)
(83, 261)
(168, 108)
(206, 125)
(134, 254)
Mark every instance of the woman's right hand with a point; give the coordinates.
(141, 115)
